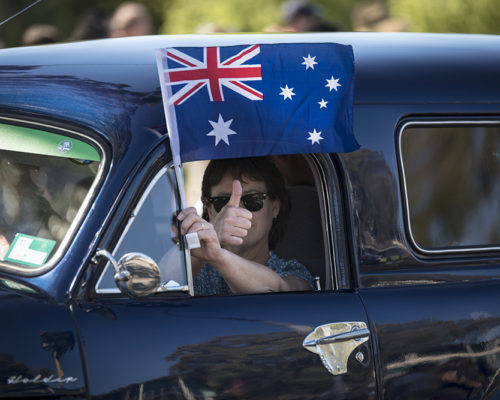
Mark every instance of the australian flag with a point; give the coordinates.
(255, 100)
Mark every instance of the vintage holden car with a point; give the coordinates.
(402, 236)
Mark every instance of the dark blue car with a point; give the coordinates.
(402, 235)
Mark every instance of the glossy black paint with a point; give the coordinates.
(39, 351)
(219, 345)
(434, 321)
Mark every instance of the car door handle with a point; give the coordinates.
(335, 342)
(340, 337)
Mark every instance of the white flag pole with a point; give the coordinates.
(192, 240)
(172, 130)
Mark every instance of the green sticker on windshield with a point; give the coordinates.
(30, 250)
(27, 140)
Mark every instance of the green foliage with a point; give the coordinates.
(459, 16)
(339, 11)
(185, 16)
(233, 15)
(182, 16)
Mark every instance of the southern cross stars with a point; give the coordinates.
(287, 92)
(332, 83)
(322, 103)
(221, 130)
(309, 61)
(314, 136)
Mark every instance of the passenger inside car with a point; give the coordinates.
(245, 210)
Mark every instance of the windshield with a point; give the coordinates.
(44, 180)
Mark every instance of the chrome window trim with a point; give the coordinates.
(65, 243)
(324, 174)
(406, 216)
(175, 187)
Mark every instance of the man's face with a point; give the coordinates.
(261, 220)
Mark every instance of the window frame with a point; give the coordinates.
(61, 250)
(325, 169)
(444, 122)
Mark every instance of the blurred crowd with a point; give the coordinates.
(129, 19)
(134, 19)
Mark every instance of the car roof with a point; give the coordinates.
(462, 60)
(98, 83)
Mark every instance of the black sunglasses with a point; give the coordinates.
(251, 201)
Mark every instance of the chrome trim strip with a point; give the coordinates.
(324, 172)
(61, 249)
(406, 215)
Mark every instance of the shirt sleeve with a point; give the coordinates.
(209, 282)
(290, 267)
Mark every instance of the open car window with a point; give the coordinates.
(45, 180)
(304, 237)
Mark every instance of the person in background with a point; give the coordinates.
(92, 25)
(374, 16)
(40, 34)
(303, 16)
(245, 208)
(130, 19)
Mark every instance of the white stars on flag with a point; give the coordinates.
(287, 92)
(323, 97)
(332, 83)
(221, 130)
(309, 62)
(314, 136)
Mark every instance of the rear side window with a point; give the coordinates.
(45, 179)
(452, 185)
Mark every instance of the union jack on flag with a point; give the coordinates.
(213, 73)
(255, 100)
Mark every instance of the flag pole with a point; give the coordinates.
(172, 129)
(191, 240)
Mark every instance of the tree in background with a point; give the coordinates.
(187, 16)
(181, 16)
(458, 16)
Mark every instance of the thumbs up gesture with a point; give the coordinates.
(233, 222)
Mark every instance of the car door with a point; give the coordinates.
(175, 345)
(428, 250)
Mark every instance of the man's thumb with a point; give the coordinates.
(236, 194)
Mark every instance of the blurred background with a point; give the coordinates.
(49, 21)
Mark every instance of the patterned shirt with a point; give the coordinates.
(209, 281)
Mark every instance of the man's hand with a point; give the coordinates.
(233, 222)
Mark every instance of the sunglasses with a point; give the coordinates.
(252, 201)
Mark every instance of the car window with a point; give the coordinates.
(303, 238)
(45, 179)
(149, 232)
(452, 185)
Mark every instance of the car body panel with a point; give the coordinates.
(39, 349)
(250, 344)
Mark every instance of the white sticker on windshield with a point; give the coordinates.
(29, 250)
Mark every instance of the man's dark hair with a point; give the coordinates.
(259, 169)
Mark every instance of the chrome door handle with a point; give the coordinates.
(335, 342)
(340, 337)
